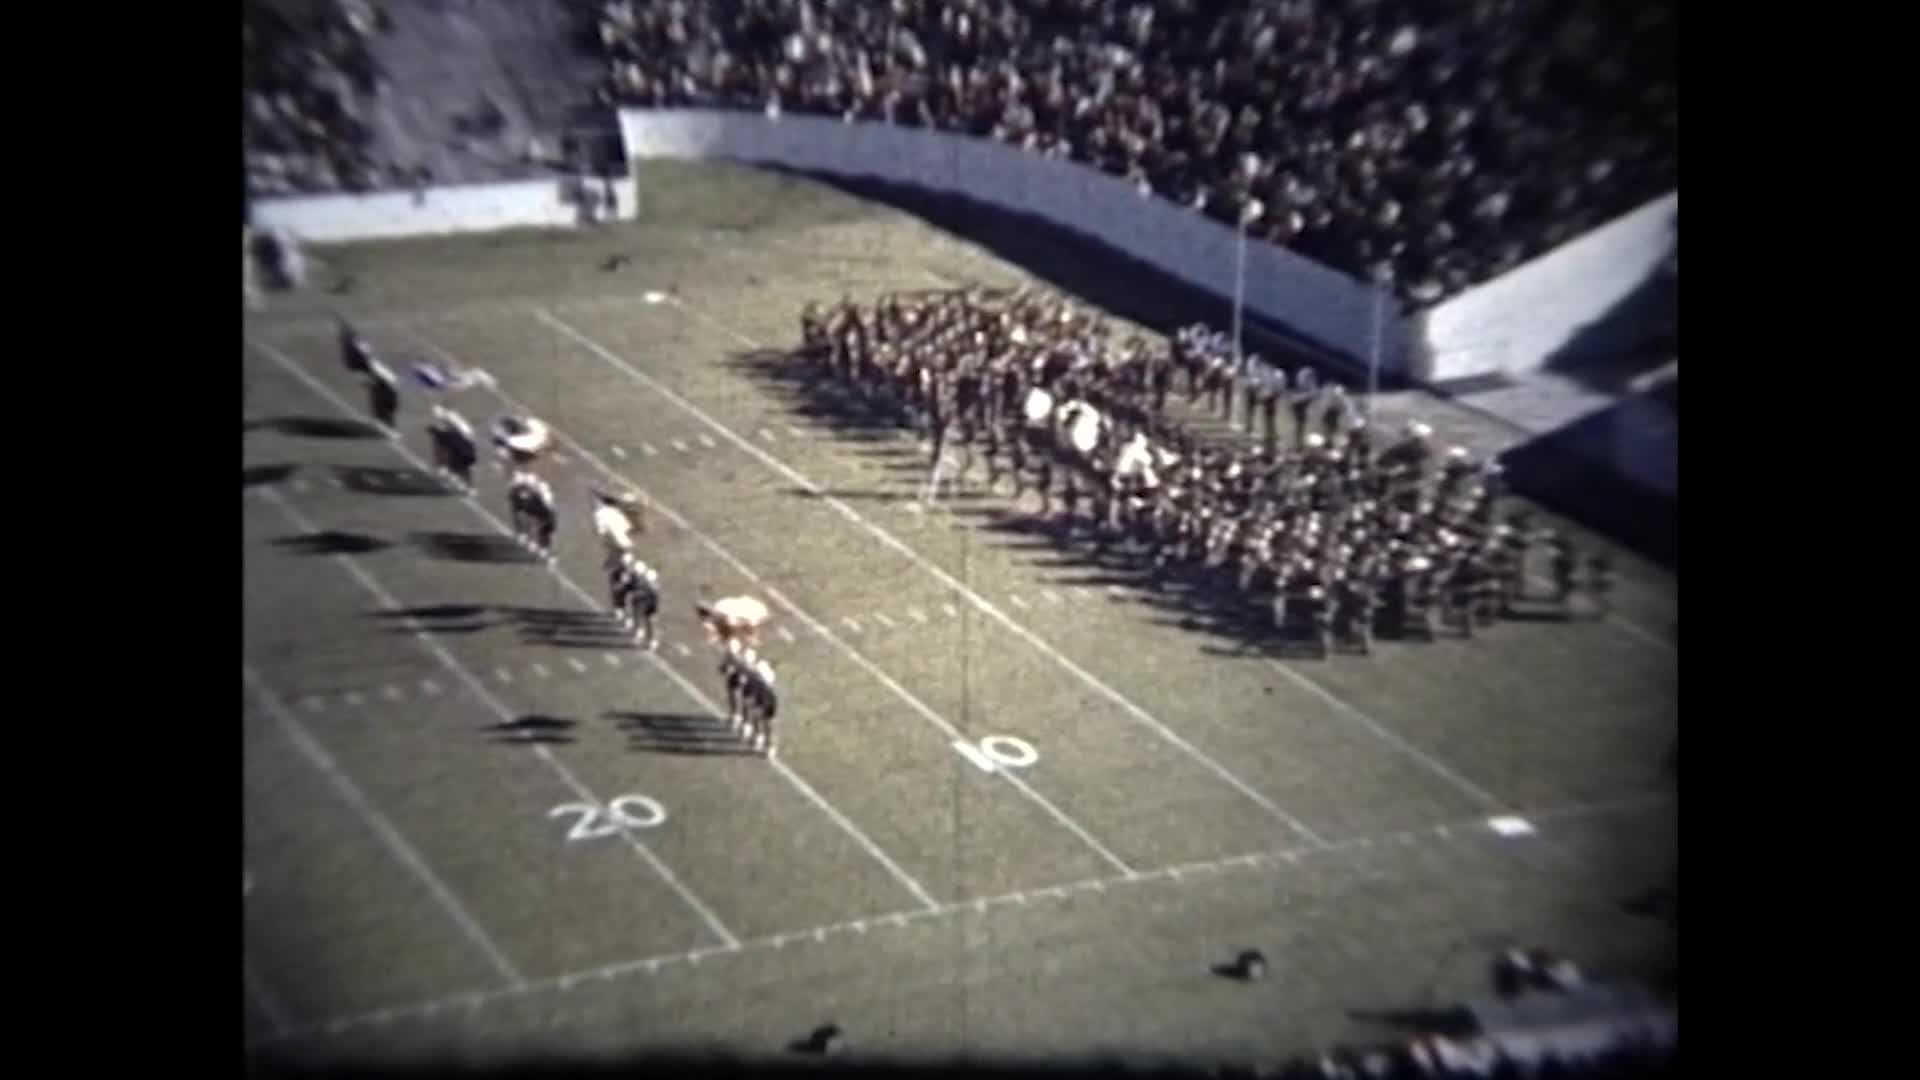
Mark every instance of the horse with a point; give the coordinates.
(383, 394)
(752, 702)
(635, 590)
(534, 520)
(355, 354)
(454, 453)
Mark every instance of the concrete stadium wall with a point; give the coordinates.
(1329, 309)
(387, 215)
(1517, 321)
(1646, 444)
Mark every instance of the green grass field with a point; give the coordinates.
(438, 733)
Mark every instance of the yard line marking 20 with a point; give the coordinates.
(427, 642)
(799, 784)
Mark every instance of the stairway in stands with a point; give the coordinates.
(442, 58)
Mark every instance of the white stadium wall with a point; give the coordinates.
(1518, 320)
(435, 211)
(1326, 308)
(1511, 324)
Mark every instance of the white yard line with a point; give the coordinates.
(1390, 737)
(1179, 874)
(473, 681)
(297, 734)
(820, 628)
(805, 789)
(893, 543)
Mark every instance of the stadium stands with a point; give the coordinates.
(1426, 146)
(307, 69)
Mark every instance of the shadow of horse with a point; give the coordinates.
(315, 427)
(381, 480)
(472, 547)
(438, 619)
(570, 628)
(677, 733)
(531, 729)
(264, 475)
(330, 543)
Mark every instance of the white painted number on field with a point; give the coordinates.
(625, 812)
(996, 752)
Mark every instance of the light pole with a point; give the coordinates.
(1373, 352)
(1250, 211)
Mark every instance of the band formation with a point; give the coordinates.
(1333, 533)
(1337, 533)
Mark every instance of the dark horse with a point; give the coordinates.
(454, 453)
(635, 589)
(534, 519)
(751, 700)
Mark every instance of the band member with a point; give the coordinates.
(1565, 562)
(1306, 390)
(1600, 583)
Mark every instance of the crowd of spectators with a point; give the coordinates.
(1426, 146)
(308, 67)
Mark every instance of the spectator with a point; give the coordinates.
(1425, 147)
(305, 70)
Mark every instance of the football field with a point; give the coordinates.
(1023, 803)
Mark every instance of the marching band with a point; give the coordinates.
(1335, 534)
